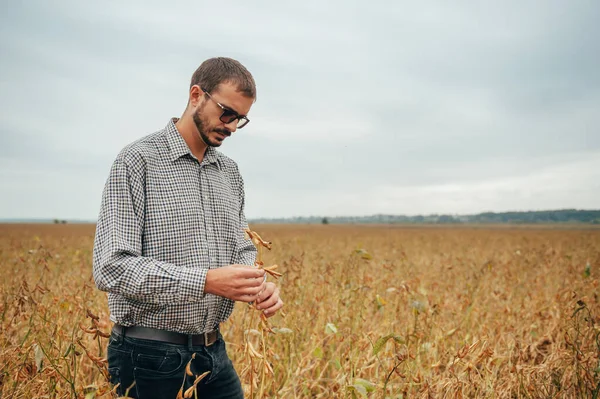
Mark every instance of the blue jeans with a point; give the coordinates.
(158, 369)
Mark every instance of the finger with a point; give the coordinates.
(268, 301)
(259, 282)
(248, 298)
(269, 290)
(255, 291)
(253, 273)
(273, 309)
(245, 271)
(255, 283)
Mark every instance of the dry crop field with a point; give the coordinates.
(371, 311)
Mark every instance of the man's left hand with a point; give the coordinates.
(269, 301)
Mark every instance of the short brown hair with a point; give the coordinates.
(215, 71)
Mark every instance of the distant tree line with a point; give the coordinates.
(532, 217)
(561, 216)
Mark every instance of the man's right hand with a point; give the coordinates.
(236, 282)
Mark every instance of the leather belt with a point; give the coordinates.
(154, 334)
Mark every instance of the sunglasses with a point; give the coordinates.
(228, 114)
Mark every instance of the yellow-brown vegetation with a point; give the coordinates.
(370, 311)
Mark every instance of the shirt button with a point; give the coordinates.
(206, 198)
(213, 259)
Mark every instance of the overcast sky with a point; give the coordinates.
(373, 107)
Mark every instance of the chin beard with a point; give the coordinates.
(208, 141)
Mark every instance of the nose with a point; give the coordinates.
(232, 126)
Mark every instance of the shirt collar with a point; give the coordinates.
(178, 147)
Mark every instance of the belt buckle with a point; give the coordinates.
(206, 339)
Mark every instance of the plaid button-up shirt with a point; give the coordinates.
(165, 220)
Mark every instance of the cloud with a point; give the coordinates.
(575, 182)
(392, 107)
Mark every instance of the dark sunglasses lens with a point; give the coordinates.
(228, 116)
(242, 122)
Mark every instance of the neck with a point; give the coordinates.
(189, 132)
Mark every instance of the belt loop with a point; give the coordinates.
(120, 333)
(190, 342)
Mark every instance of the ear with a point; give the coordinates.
(196, 95)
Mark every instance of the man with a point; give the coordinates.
(170, 247)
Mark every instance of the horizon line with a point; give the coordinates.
(76, 220)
